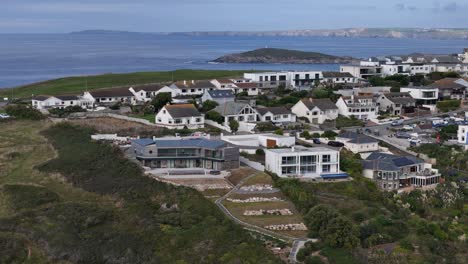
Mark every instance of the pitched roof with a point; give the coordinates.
(41, 97)
(279, 110)
(246, 85)
(148, 88)
(182, 110)
(112, 92)
(224, 81)
(385, 161)
(357, 138)
(447, 83)
(230, 108)
(194, 84)
(400, 98)
(60, 97)
(193, 142)
(221, 93)
(322, 104)
(337, 75)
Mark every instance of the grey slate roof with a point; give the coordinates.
(362, 139)
(400, 98)
(322, 104)
(41, 97)
(114, 92)
(390, 162)
(148, 88)
(144, 141)
(218, 94)
(182, 110)
(280, 110)
(194, 84)
(337, 75)
(187, 143)
(230, 108)
(61, 97)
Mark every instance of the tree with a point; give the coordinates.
(377, 81)
(318, 218)
(259, 152)
(209, 105)
(160, 100)
(215, 116)
(234, 125)
(340, 233)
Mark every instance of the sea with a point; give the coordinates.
(28, 58)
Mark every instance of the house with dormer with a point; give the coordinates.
(316, 111)
(178, 116)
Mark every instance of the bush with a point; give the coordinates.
(313, 260)
(279, 131)
(234, 125)
(67, 111)
(305, 134)
(24, 112)
(260, 152)
(265, 126)
(343, 121)
(115, 106)
(215, 116)
(448, 105)
(209, 105)
(329, 134)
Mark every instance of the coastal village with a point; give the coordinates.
(229, 138)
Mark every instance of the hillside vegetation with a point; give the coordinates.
(76, 85)
(84, 202)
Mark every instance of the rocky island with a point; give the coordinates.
(272, 55)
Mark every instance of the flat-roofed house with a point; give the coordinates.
(396, 103)
(279, 114)
(450, 88)
(315, 110)
(178, 116)
(302, 162)
(186, 153)
(219, 96)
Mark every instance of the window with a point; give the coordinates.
(288, 170)
(159, 120)
(178, 121)
(288, 160)
(192, 90)
(326, 158)
(308, 169)
(285, 116)
(308, 160)
(164, 111)
(325, 168)
(150, 152)
(198, 120)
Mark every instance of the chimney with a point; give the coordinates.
(193, 81)
(293, 148)
(185, 82)
(154, 138)
(310, 99)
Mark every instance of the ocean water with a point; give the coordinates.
(27, 58)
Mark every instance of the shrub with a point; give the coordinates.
(265, 126)
(67, 111)
(209, 105)
(260, 152)
(279, 131)
(234, 125)
(24, 112)
(329, 134)
(215, 116)
(305, 134)
(448, 105)
(115, 106)
(160, 100)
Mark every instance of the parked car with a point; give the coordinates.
(408, 127)
(402, 135)
(335, 144)
(397, 122)
(414, 140)
(316, 141)
(4, 116)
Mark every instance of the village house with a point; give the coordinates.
(237, 85)
(449, 88)
(360, 107)
(219, 96)
(240, 112)
(186, 153)
(44, 102)
(357, 143)
(425, 96)
(333, 78)
(363, 70)
(110, 96)
(287, 79)
(299, 161)
(396, 103)
(392, 172)
(178, 116)
(316, 111)
(192, 87)
(145, 93)
(250, 88)
(278, 114)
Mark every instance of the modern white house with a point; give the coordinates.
(360, 107)
(462, 135)
(240, 112)
(178, 116)
(288, 79)
(192, 87)
(424, 95)
(302, 162)
(396, 103)
(392, 69)
(422, 68)
(278, 114)
(363, 70)
(316, 110)
(219, 96)
(358, 143)
(43, 102)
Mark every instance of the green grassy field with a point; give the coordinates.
(76, 85)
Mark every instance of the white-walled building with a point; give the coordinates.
(424, 95)
(240, 112)
(259, 140)
(361, 107)
(362, 70)
(178, 116)
(110, 96)
(358, 143)
(193, 87)
(43, 102)
(304, 162)
(462, 135)
(392, 69)
(145, 93)
(278, 114)
(288, 79)
(219, 96)
(315, 110)
(332, 78)
(396, 103)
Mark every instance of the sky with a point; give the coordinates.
(59, 16)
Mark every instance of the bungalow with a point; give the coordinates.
(219, 96)
(187, 153)
(449, 88)
(360, 107)
(396, 103)
(192, 87)
(316, 111)
(339, 78)
(358, 143)
(110, 96)
(276, 114)
(145, 93)
(250, 88)
(223, 83)
(392, 172)
(178, 116)
(44, 102)
(241, 112)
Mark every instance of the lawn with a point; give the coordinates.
(76, 85)
(148, 117)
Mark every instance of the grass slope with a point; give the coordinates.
(103, 209)
(75, 85)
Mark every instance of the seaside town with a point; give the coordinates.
(399, 123)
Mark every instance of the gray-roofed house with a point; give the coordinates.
(316, 111)
(145, 93)
(178, 116)
(45, 102)
(240, 112)
(358, 143)
(396, 103)
(392, 172)
(192, 87)
(186, 153)
(279, 114)
(110, 96)
(219, 95)
(339, 78)
(451, 88)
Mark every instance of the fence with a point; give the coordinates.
(256, 165)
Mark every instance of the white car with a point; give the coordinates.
(4, 116)
(408, 127)
(414, 140)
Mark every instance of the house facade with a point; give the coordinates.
(360, 107)
(358, 143)
(188, 153)
(396, 103)
(178, 116)
(240, 112)
(302, 162)
(110, 96)
(43, 102)
(219, 96)
(316, 111)
(333, 78)
(192, 87)
(146, 93)
(451, 88)
(276, 115)
(423, 95)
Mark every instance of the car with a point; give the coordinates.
(397, 123)
(316, 141)
(408, 127)
(4, 116)
(414, 140)
(335, 144)
(402, 135)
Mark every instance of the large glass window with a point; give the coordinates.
(308, 169)
(288, 170)
(326, 158)
(288, 160)
(325, 168)
(308, 159)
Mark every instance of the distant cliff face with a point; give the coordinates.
(270, 55)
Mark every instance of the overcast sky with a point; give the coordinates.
(38, 16)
